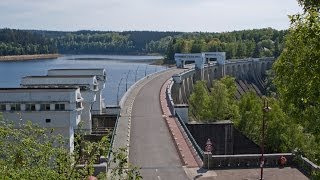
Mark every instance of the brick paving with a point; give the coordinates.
(185, 150)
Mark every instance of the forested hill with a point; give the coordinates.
(237, 44)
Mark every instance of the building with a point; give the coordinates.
(98, 106)
(88, 85)
(57, 108)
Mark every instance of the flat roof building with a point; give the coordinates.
(57, 108)
(100, 73)
(88, 85)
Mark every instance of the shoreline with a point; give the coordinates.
(29, 57)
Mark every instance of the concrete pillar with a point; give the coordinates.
(52, 107)
(221, 71)
(37, 107)
(23, 107)
(199, 75)
(191, 84)
(175, 92)
(207, 160)
(176, 88)
(187, 87)
(183, 92)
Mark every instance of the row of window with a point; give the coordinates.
(32, 107)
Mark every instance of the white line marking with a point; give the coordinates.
(159, 178)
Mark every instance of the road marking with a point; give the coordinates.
(159, 178)
(156, 170)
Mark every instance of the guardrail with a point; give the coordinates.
(245, 160)
(306, 166)
(111, 142)
(180, 121)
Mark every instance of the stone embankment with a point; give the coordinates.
(29, 57)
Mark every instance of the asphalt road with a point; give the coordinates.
(151, 145)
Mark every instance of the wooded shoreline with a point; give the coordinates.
(29, 57)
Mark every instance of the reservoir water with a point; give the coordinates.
(122, 71)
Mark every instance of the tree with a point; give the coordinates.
(250, 110)
(297, 70)
(199, 101)
(32, 152)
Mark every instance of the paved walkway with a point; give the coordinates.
(151, 145)
(186, 151)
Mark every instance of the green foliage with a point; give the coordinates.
(199, 101)
(18, 42)
(297, 78)
(250, 110)
(218, 104)
(237, 44)
(28, 151)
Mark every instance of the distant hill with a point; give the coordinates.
(237, 44)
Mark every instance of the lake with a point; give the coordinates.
(122, 71)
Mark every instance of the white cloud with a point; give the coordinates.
(179, 15)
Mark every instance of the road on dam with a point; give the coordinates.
(151, 145)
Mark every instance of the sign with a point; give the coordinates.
(208, 147)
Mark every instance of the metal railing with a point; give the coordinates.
(180, 121)
(192, 140)
(247, 160)
(111, 142)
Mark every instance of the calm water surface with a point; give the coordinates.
(117, 67)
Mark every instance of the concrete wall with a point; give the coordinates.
(62, 122)
(253, 70)
(224, 137)
(244, 161)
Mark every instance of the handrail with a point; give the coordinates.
(111, 142)
(186, 130)
(193, 141)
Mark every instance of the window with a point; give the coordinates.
(30, 107)
(48, 120)
(15, 107)
(79, 105)
(59, 107)
(2, 107)
(83, 87)
(45, 107)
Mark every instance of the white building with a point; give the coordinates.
(100, 74)
(88, 85)
(57, 108)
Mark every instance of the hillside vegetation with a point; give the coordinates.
(237, 44)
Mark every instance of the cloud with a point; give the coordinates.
(179, 15)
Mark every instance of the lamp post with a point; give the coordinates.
(118, 90)
(208, 149)
(135, 77)
(145, 71)
(127, 79)
(266, 109)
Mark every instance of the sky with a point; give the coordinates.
(155, 15)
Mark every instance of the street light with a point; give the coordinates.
(118, 90)
(266, 109)
(135, 77)
(127, 79)
(145, 71)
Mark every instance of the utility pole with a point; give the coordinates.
(266, 109)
